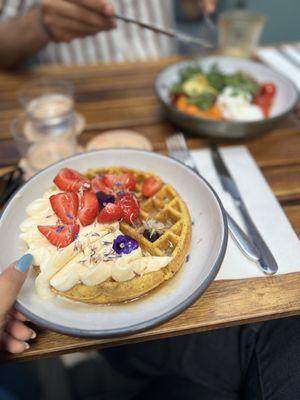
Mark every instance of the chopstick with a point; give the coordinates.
(165, 31)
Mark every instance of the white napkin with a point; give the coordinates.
(285, 60)
(263, 207)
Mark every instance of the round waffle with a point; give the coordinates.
(165, 206)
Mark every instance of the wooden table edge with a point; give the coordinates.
(166, 329)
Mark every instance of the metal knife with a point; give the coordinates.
(266, 262)
(178, 149)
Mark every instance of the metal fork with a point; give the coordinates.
(178, 150)
(165, 31)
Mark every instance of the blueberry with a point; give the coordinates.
(151, 235)
(104, 198)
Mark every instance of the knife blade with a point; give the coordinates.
(266, 262)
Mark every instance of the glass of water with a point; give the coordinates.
(45, 132)
(39, 149)
(239, 32)
(49, 105)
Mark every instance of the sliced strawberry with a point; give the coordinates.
(89, 207)
(59, 235)
(70, 180)
(110, 213)
(120, 182)
(98, 185)
(151, 186)
(130, 207)
(65, 206)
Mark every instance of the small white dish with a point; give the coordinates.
(119, 138)
(209, 240)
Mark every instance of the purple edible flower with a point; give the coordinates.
(69, 215)
(124, 244)
(104, 198)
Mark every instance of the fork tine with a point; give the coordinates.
(178, 149)
(172, 140)
(173, 143)
(182, 141)
(175, 148)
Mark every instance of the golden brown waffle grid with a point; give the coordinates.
(165, 206)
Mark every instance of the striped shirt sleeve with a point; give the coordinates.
(127, 42)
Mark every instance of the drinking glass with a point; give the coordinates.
(239, 32)
(49, 105)
(40, 150)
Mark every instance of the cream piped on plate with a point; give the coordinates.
(72, 243)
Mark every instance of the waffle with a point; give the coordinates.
(165, 206)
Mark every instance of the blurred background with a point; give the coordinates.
(282, 24)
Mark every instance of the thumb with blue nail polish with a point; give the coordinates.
(24, 263)
(14, 334)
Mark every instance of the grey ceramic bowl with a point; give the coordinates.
(284, 102)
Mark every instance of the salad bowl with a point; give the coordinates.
(284, 100)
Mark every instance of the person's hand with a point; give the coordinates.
(14, 334)
(65, 20)
(196, 8)
(207, 7)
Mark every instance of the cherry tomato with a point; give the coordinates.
(264, 102)
(268, 89)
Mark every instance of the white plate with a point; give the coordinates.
(209, 240)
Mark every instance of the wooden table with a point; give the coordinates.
(122, 96)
